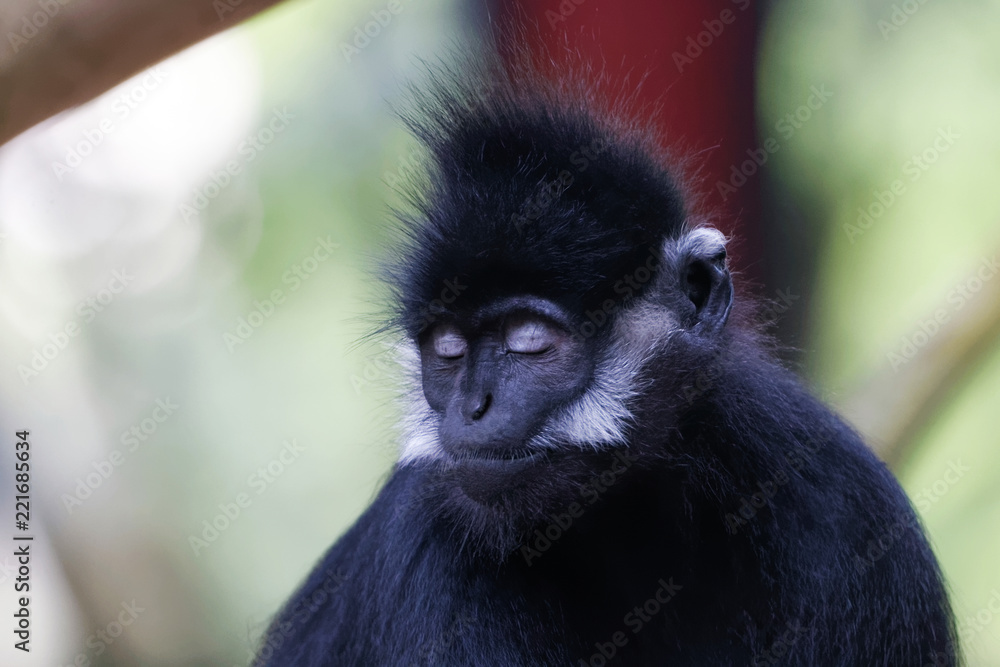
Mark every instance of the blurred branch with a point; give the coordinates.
(56, 54)
(895, 408)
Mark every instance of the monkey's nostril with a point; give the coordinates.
(478, 413)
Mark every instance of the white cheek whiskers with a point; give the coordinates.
(600, 418)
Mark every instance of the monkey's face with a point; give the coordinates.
(514, 387)
(495, 375)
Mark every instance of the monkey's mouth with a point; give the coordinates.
(498, 458)
(491, 476)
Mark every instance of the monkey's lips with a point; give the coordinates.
(494, 462)
(497, 461)
(487, 476)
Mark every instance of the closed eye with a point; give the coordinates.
(529, 336)
(449, 343)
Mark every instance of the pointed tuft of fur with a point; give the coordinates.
(536, 188)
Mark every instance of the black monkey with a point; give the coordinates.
(603, 463)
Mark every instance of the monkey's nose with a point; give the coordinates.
(475, 407)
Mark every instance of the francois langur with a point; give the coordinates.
(590, 412)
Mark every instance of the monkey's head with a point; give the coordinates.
(549, 261)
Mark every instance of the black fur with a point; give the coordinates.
(516, 203)
(754, 525)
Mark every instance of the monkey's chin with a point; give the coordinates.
(490, 503)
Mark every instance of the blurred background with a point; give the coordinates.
(186, 278)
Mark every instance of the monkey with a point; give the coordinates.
(603, 461)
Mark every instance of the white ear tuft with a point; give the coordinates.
(706, 242)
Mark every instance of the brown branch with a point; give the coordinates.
(56, 54)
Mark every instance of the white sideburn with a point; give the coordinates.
(600, 417)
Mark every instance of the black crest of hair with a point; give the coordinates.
(530, 182)
(732, 520)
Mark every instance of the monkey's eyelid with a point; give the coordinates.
(530, 337)
(449, 344)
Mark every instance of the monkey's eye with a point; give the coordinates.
(448, 343)
(525, 336)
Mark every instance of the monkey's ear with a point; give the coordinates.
(705, 278)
